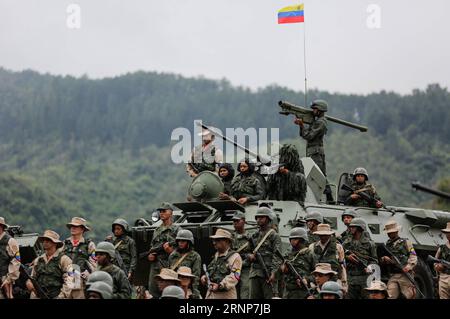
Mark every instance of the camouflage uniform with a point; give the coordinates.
(193, 261)
(126, 247)
(361, 202)
(247, 186)
(205, 158)
(444, 276)
(224, 270)
(357, 277)
(290, 186)
(122, 288)
(398, 282)
(312, 238)
(259, 288)
(241, 244)
(9, 260)
(314, 137)
(161, 235)
(303, 262)
(334, 255)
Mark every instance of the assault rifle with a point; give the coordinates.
(158, 250)
(40, 292)
(434, 260)
(260, 260)
(295, 272)
(370, 199)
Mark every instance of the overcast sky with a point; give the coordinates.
(235, 39)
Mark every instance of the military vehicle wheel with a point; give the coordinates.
(424, 280)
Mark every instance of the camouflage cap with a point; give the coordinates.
(323, 229)
(392, 227)
(238, 215)
(3, 223)
(78, 222)
(165, 205)
(185, 272)
(324, 268)
(168, 274)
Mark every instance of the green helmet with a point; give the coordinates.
(315, 216)
(184, 234)
(174, 292)
(102, 288)
(349, 212)
(358, 222)
(298, 232)
(331, 287)
(107, 248)
(121, 222)
(321, 105)
(99, 275)
(265, 211)
(360, 171)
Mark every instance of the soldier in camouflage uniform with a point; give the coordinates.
(266, 242)
(313, 219)
(121, 286)
(360, 184)
(9, 261)
(360, 252)
(302, 260)
(328, 250)
(52, 270)
(322, 274)
(205, 157)
(347, 217)
(81, 251)
(403, 249)
(241, 244)
(125, 246)
(226, 174)
(225, 268)
(185, 256)
(162, 245)
(443, 271)
(246, 187)
(314, 135)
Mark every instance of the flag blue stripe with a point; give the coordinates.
(290, 14)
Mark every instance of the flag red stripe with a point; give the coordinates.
(291, 19)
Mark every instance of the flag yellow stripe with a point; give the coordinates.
(298, 7)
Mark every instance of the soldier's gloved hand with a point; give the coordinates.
(151, 257)
(439, 267)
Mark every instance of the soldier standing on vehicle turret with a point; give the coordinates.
(403, 249)
(314, 135)
(444, 272)
(81, 251)
(205, 157)
(9, 261)
(360, 184)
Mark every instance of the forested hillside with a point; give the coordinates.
(101, 148)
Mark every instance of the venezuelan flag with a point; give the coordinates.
(291, 14)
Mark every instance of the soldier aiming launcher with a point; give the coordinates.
(307, 115)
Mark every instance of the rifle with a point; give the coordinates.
(360, 258)
(372, 200)
(295, 272)
(307, 115)
(434, 260)
(260, 260)
(398, 264)
(40, 292)
(208, 278)
(158, 250)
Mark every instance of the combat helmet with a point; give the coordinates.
(358, 222)
(298, 232)
(265, 212)
(102, 288)
(317, 216)
(321, 105)
(360, 171)
(173, 292)
(121, 222)
(107, 248)
(99, 275)
(185, 234)
(332, 287)
(349, 212)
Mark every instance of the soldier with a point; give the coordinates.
(266, 242)
(331, 290)
(322, 274)
(186, 278)
(172, 292)
(288, 183)
(241, 244)
(81, 251)
(377, 290)
(246, 187)
(52, 270)
(312, 221)
(167, 277)
(347, 217)
(443, 271)
(99, 290)
(403, 249)
(163, 243)
(121, 286)
(125, 246)
(226, 174)
(185, 255)
(302, 260)
(328, 250)
(314, 135)
(225, 268)
(205, 157)
(9, 261)
(97, 276)
(360, 184)
(360, 252)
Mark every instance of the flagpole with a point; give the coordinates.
(304, 57)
